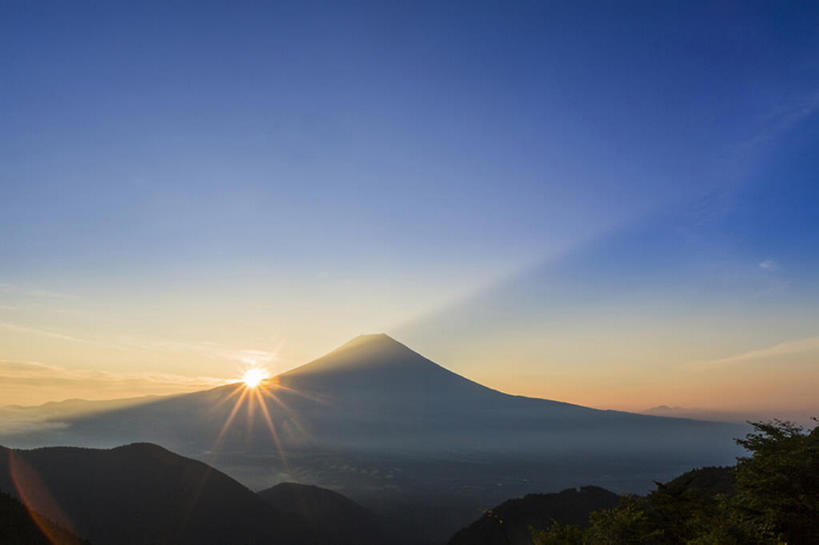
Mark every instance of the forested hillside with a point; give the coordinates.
(771, 497)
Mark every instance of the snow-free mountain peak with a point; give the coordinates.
(371, 353)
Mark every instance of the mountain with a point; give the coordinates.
(404, 437)
(338, 519)
(376, 393)
(143, 494)
(19, 526)
(708, 481)
(803, 418)
(47, 416)
(509, 523)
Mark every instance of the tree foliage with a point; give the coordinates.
(778, 485)
(774, 500)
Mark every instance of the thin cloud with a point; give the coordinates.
(246, 356)
(49, 333)
(787, 348)
(31, 382)
(15, 370)
(769, 265)
(37, 293)
(785, 116)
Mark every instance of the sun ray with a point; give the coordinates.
(249, 428)
(229, 420)
(317, 399)
(236, 391)
(272, 428)
(292, 415)
(257, 386)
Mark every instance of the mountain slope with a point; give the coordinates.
(709, 481)
(140, 494)
(374, 393)
(509, 522)
(20, 527)
(338, 519)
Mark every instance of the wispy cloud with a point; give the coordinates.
(787, 348)
(245, 356)
(51, 333)
(785, 115)
(7, 288)
(35, 382)
(12, 370)
(769, 265)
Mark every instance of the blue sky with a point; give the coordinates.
(296, 173)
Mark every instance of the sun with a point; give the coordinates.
(253, 377)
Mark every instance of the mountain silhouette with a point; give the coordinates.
(404, 436)
(371, 392)
(709, 481)
(338, 519)
(376, 391)
(510, 523)
(21, 526)
(143, 494)
(377, 370)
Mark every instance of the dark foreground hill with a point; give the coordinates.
(513, 521)
(18, 526)
(510, 522)
(336, 518)
(709, 481)
(143, 494)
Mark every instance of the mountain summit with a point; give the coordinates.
(366, 351)
(378, 370)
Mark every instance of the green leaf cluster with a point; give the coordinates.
(773, 499)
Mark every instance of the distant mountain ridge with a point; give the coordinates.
(48, 416)
(804, 417)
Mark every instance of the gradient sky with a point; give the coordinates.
(609, 203)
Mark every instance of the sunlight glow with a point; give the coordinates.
(253, 377)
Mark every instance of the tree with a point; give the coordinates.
(778, 485)
(774, 500)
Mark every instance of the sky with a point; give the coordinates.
(613, 204)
